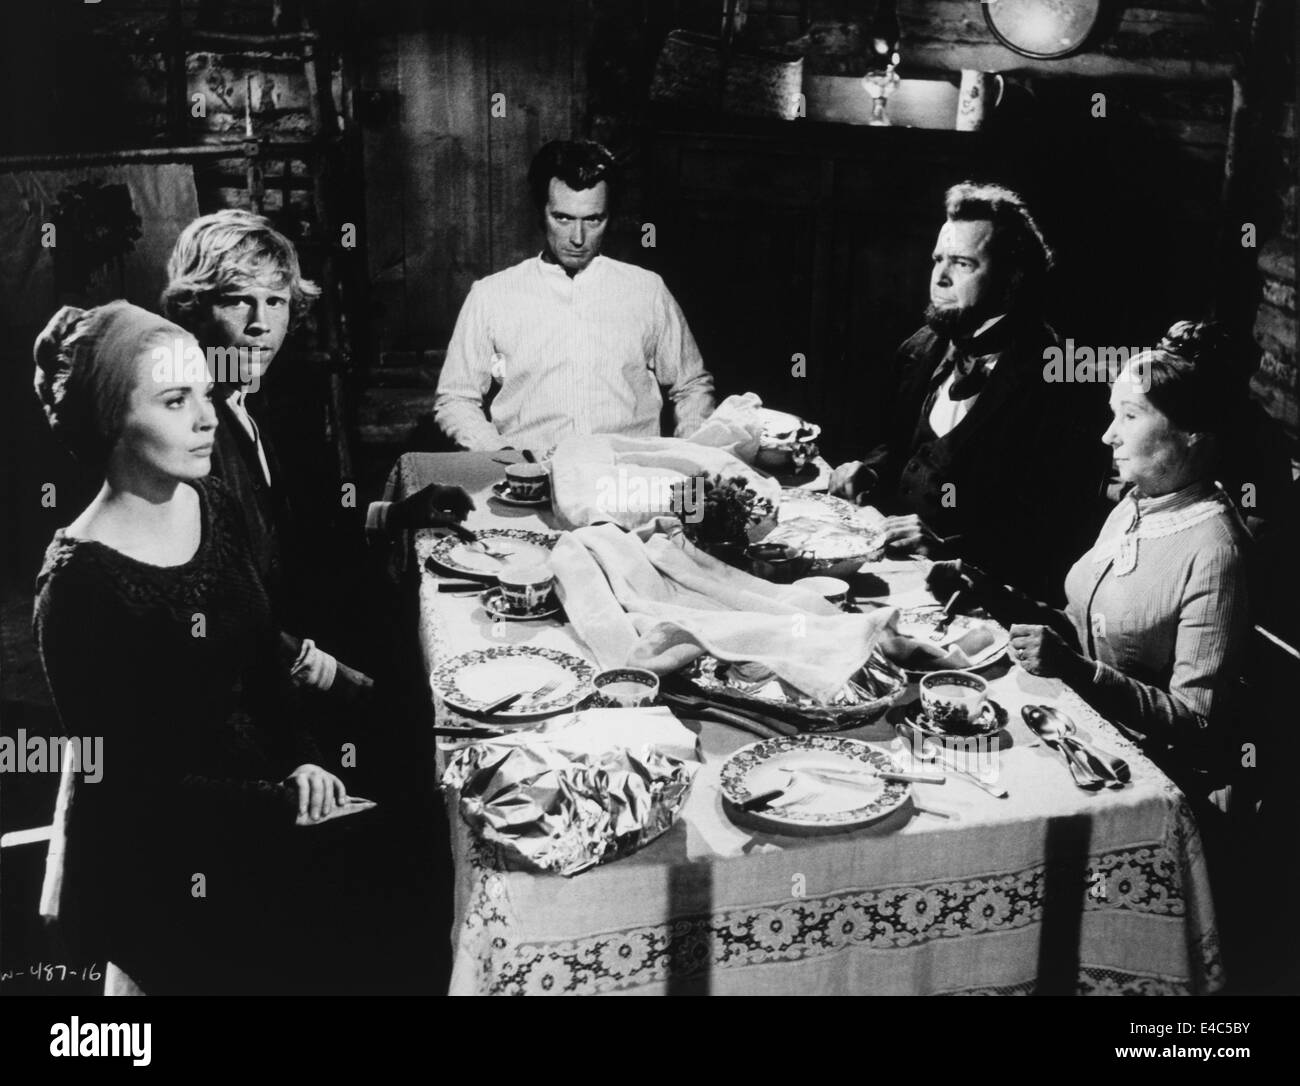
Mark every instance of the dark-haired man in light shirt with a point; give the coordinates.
(578, 343)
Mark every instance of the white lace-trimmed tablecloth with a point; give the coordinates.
(1052, 890)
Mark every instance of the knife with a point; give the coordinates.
(853, 776)
(470, 733)
(502, 704)
(754, 803)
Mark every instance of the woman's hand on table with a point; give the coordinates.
(1040, 650)
(319, 791)
(433, 507)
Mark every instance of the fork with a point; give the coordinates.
(539, 694)
(940, 630)
(491, 552)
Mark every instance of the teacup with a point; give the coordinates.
(626, 688)
(526, 584)
(954, 700)
(527, 482)
(777, 562)
(832, 589)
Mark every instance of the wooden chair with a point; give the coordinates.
(116, 981)
(1263, 820)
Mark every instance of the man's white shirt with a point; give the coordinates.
(946, 413)
(580, 355)
(237, 408)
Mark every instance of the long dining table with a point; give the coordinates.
(1051, 890)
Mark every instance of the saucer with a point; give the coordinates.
(501, 491)
(988, 724)
(495, 604)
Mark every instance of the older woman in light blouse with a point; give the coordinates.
(1156, 615)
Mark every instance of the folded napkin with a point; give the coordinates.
(598, 478)
(596, 788)
(736, 426)
(661, 603)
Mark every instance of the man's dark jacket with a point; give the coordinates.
(267, 511)
(1019, 478)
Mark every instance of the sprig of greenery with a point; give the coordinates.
(730, 507)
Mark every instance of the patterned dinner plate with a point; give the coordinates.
(471, 681)
(457, 556)
(920, 623)
(813, 804)
(807, 503)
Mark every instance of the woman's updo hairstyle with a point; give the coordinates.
(86, 371)
(1191, 384)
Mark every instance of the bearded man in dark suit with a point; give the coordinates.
(981, 455)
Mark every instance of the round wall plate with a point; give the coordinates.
(1042, 29)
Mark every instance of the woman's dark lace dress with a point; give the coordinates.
(176, 668)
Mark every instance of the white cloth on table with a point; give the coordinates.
(628, 481)
(585, 354)
(594, 732)
(736, 426)
(661, 603)
(910, 905)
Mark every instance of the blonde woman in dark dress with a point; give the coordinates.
(191, 863)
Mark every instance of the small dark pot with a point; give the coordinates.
(732, 552)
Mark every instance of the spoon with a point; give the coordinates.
(1112, 767)
(1051, 734)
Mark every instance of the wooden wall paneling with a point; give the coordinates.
(889, 208)
(384, 151)
(737, 237)
(531, 61)
(445, 90)
(1159, 40)
(822, 362)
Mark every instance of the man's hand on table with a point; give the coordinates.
(1041, 651)
(945, 578)
(435, 506)
(319, 791)
(853, 481)
(909, 534)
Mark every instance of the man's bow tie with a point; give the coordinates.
(969, 372)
